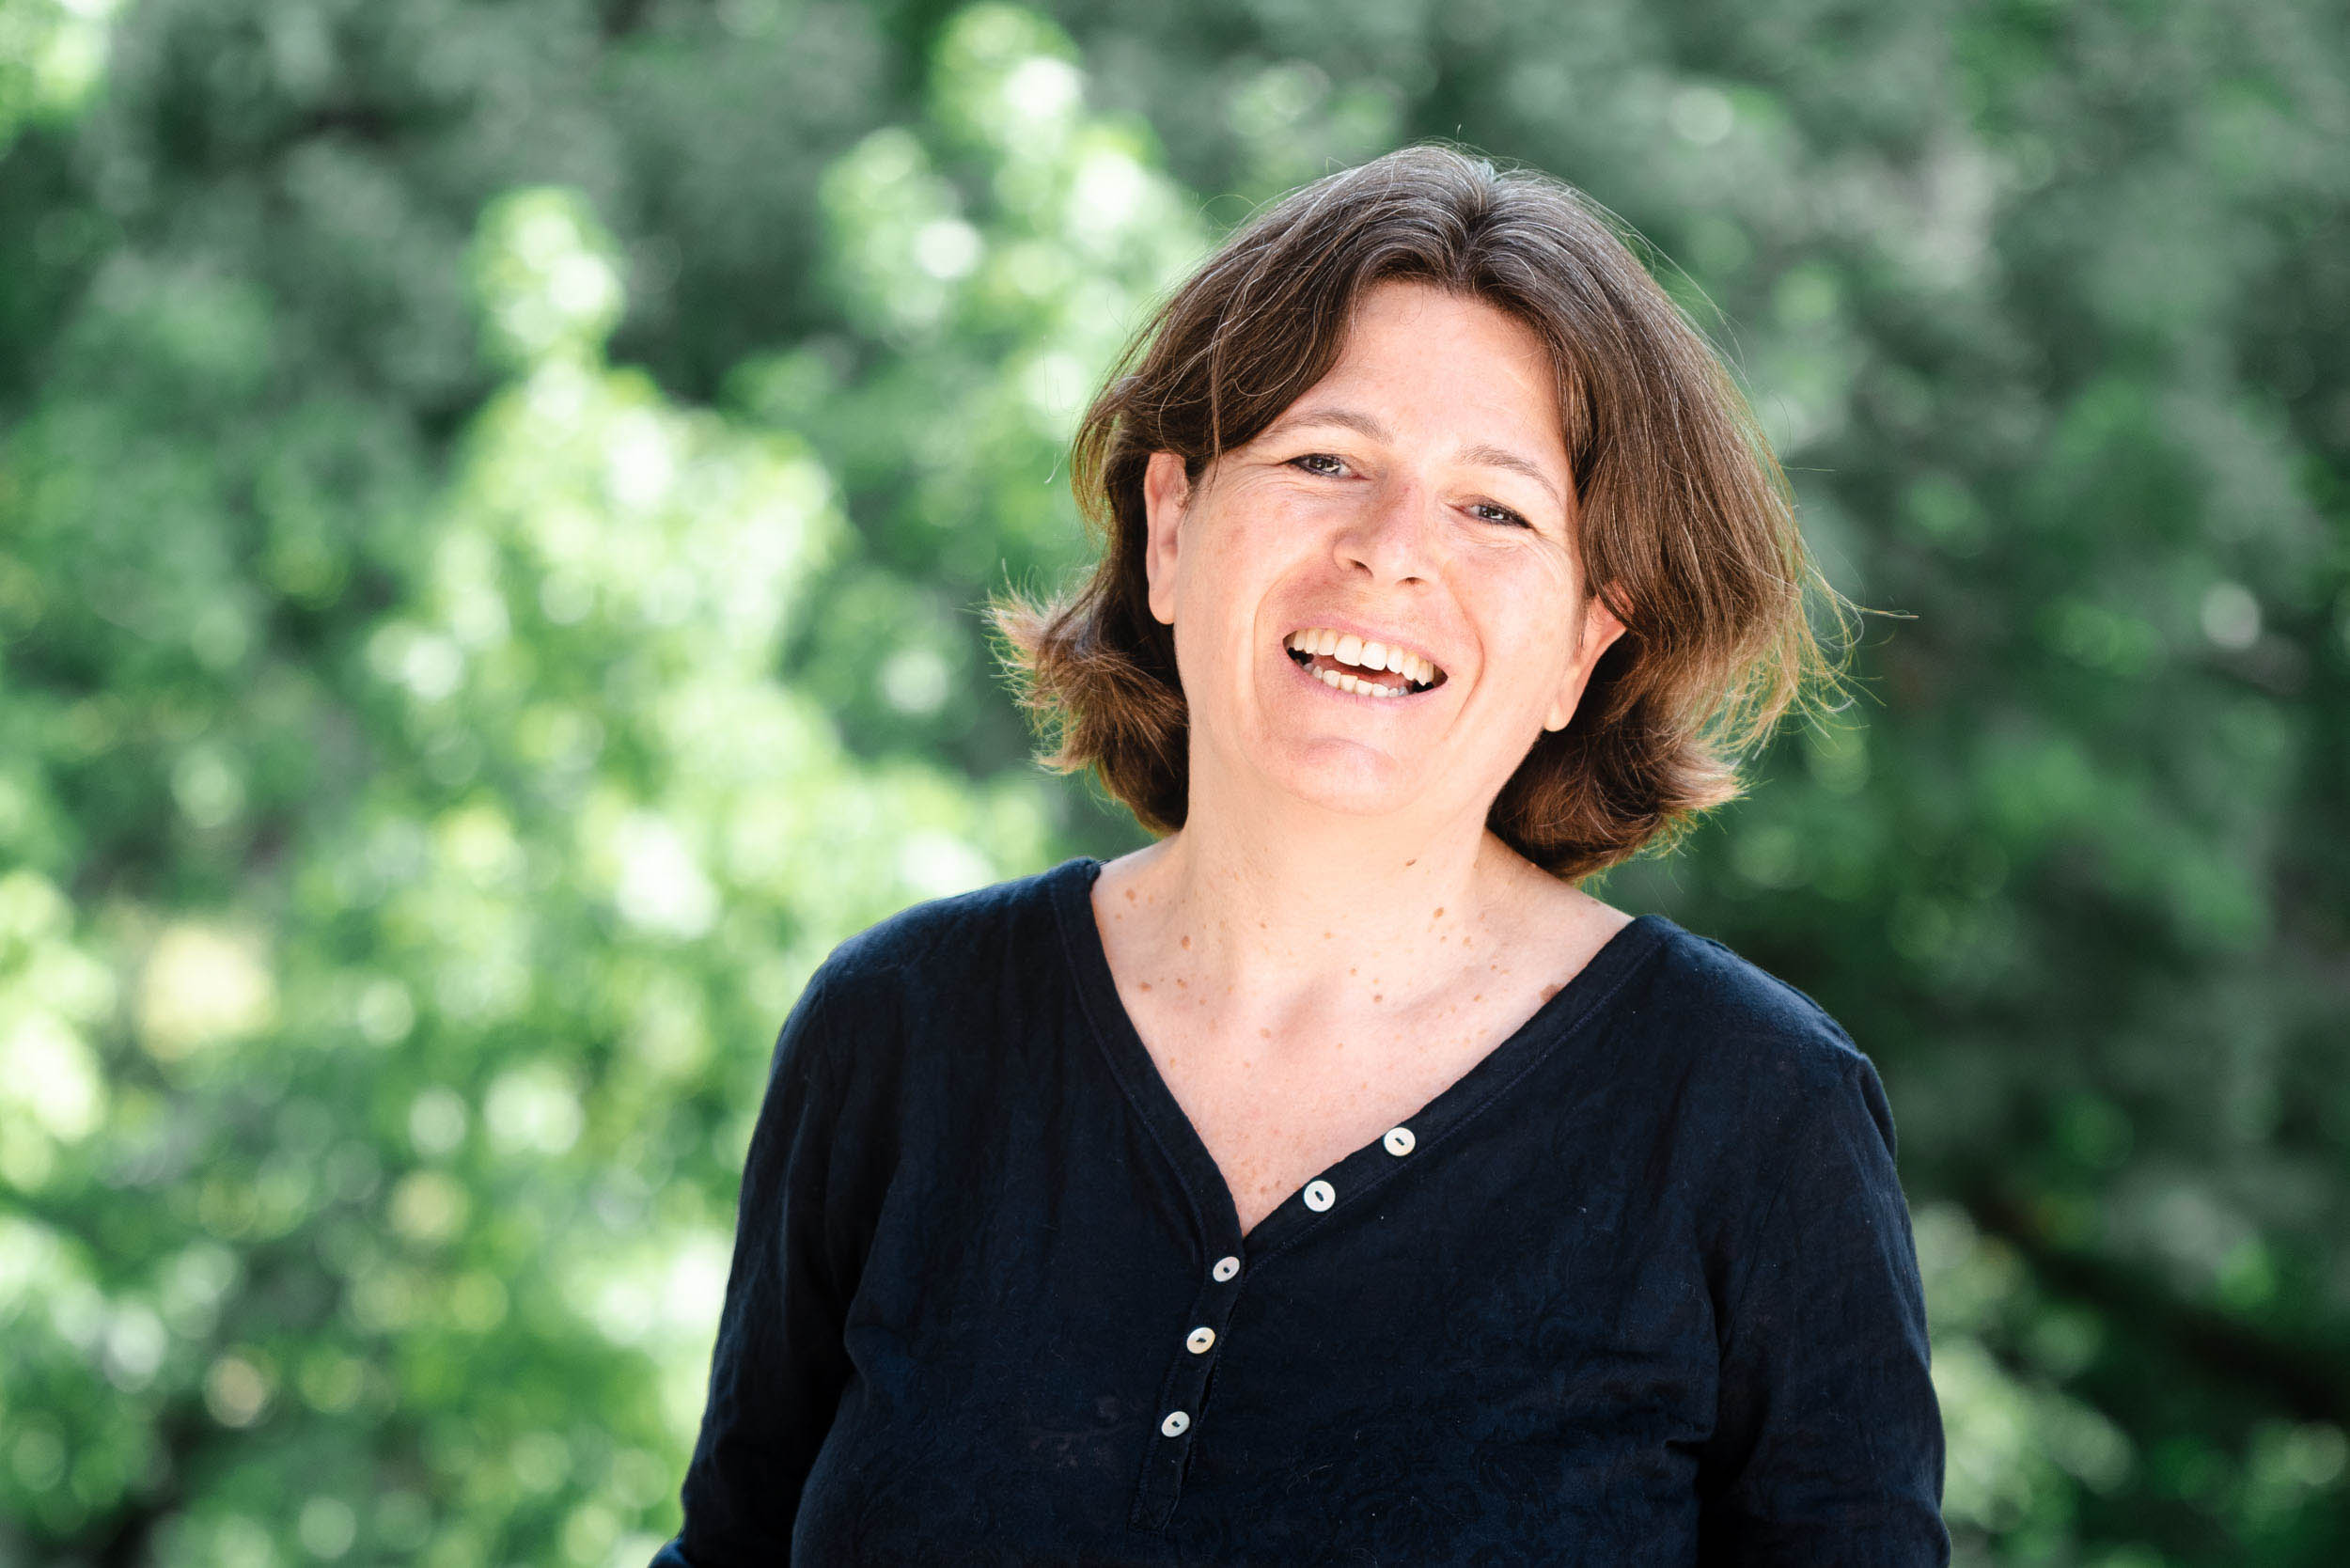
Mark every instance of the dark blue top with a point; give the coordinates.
(1637, 1288)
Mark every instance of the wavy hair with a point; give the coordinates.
(1686, 524)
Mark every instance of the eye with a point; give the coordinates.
(1506, 514)
(1308, 460)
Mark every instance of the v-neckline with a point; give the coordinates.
(1561, 1016)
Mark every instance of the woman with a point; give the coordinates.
(1332, 1181)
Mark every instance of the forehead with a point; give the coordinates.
(1436, 358)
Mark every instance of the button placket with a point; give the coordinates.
(1183, 1392)
(1179, 1413)
(1176, 1416)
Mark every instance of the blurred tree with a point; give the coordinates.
(990, 260)
(398, 1183)
(427, 778)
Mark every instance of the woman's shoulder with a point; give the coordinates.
(948, 943)
(1712, 1014)
(1765, 1098)
(1698, 978)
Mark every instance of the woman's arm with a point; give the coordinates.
(777, 1375)
(1828, 1447)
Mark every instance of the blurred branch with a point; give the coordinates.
(2308, 1380)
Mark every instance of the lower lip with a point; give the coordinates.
(1327, 689)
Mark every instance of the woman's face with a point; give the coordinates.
(1419, 496)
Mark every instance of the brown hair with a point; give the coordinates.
(1686, 524)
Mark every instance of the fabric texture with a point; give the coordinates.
(1640, 1289)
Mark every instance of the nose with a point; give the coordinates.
(1392, 534)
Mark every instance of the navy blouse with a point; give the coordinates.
(1637, 1288)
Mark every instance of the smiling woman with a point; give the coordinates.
(1333, 1180)
(1430, 455)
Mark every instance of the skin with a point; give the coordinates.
(1334, 936)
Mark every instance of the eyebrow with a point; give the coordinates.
(1484, 454)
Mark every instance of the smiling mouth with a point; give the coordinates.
(1362, 680)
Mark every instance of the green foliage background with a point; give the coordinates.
(494, 503)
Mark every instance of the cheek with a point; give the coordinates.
(1261, 519)
(1529, 629)
(1543, 590)
(1250, 548)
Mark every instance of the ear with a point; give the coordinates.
(1166, 494)
(1600, 629)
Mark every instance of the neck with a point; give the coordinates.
(1270, 923)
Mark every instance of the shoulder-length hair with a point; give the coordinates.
(1686, 524)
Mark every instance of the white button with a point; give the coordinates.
(1175, 1423)
(1226, 1268)
(1200, 1340)
(1319, 1195)
(1398, 1140)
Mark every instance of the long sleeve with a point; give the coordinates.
(777, 1372)
(1828, 1448)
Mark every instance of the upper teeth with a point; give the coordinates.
(1348, 649)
